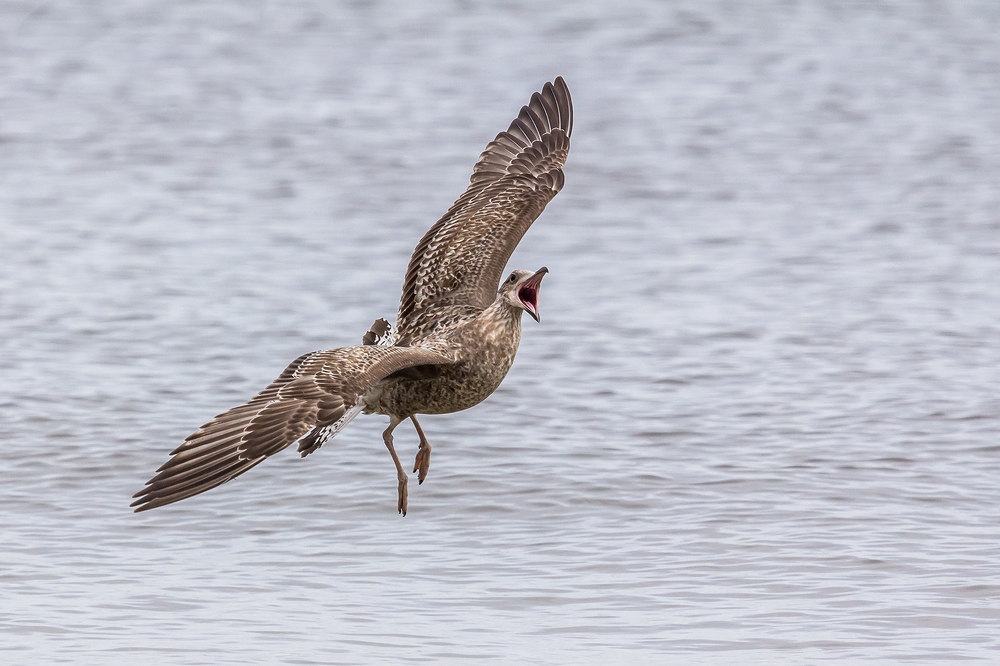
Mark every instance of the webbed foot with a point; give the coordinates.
(422, 463)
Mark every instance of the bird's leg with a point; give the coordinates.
(423, 461)
(400, 474)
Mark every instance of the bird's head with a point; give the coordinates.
(520, 290)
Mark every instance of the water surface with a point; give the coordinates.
(758, 422)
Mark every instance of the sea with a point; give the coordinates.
(758, 423)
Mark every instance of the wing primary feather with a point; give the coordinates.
(517, 143)
(213, 435)
(541, 127)
(551, 106)
(565, 105)
(196, 476)
(519, 128)
(173, 467)
(191, 491)
(538, 109)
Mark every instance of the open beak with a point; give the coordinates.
(527, 293)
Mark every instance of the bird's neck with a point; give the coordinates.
(501, 321)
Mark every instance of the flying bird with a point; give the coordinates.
(457, 329)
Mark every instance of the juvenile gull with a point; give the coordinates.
(456, 331)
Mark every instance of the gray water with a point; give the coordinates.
(758, 423)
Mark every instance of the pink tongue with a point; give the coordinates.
(528, 297)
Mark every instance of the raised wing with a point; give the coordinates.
(317, 392)
(458, 263)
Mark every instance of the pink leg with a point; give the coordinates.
(400, 474)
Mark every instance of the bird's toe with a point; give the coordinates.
(422, 463)
(401, 504)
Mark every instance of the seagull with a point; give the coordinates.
(457, 328)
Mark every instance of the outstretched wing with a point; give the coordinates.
(460, 260)
(317, 391)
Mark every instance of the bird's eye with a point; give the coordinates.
(513, 277)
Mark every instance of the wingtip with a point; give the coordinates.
(559, 83)
(142, 501)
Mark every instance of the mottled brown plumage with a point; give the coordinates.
(456, 333)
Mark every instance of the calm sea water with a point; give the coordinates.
(759, 422)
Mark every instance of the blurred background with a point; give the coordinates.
(757, 424)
